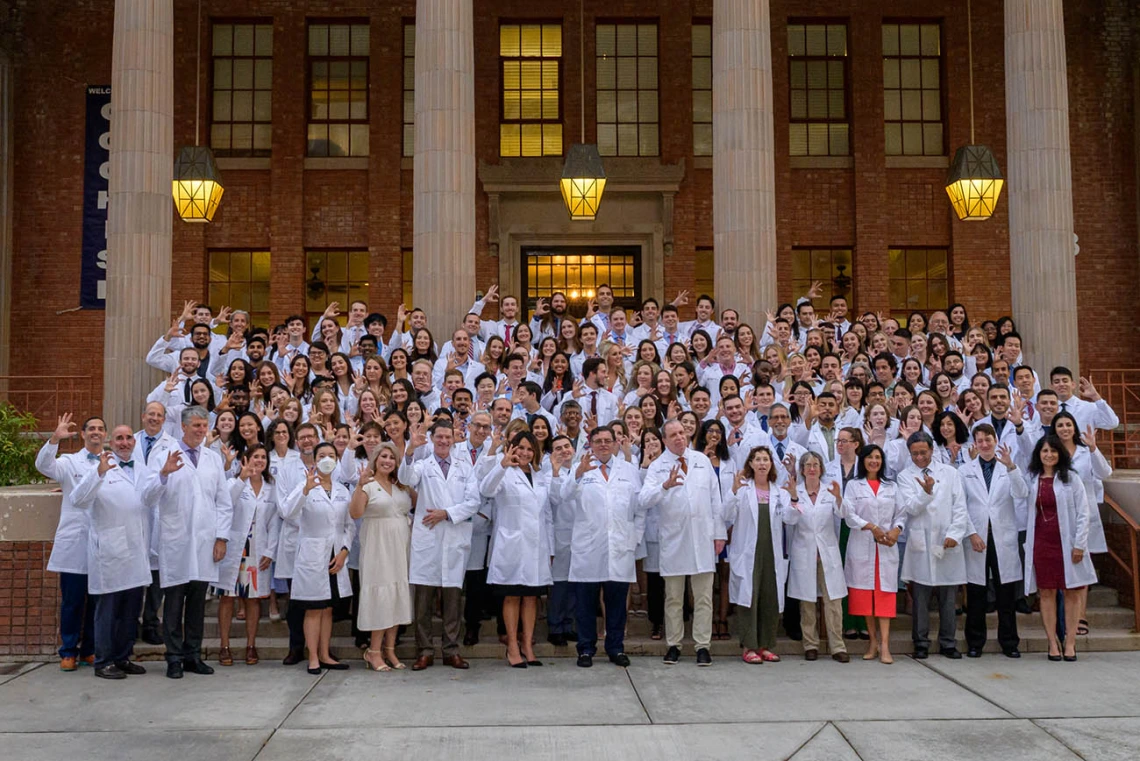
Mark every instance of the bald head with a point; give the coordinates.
(154, 415)
(123, 441)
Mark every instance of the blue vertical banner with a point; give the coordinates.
(96, 172)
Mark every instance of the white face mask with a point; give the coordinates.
(326, 465)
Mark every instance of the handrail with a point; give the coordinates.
(1131, 569)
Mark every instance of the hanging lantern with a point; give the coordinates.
(974, 183)
(583, 181)
(197, 184)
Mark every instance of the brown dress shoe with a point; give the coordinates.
(811, 655)
(456, 662)
(68, 664)
(841, 657)
(225, 657)
(423, 662)
(251, 658)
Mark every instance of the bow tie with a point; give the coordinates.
(127, 464)
(92, 456)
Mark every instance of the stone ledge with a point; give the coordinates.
(29, 513)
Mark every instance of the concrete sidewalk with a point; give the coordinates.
(991, 708)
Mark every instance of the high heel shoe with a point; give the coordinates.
(369, 666)
(394, 660)
(314, 671)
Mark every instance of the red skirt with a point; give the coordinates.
(871, 602)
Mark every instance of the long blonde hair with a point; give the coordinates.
(394, 478)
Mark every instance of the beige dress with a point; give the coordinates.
(385, 596)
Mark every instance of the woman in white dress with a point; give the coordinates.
(383, 503)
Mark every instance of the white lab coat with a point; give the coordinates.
(69, 552)
(814, 537)
(752, 435)
(742, 512)
(439, 554)
(813, 439)
(609, 522)
(522, 538)
(255, 516)
(480, 521)
(325, 529)
(997, 509)
(562, 521)
(287, 473)
(163, 445)
(1073, 524)
(1093, 468)
(118, 542)
(607, 405)
(931, 519)
(194, 510)
(691, 516)
(864, 506)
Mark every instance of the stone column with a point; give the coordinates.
(444, 180)
(140, 208)
(744, 181)
(1042, 266)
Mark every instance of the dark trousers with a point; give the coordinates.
(560, 606)
(424, 602)
(792, 625)
(295, 618)
(948, 619)
(152, 603)
(183, 619)
(976, 606)
(76, 617)
(614, 594)
(475, 602)
(655, 594)
(116, 622)
(358, 636)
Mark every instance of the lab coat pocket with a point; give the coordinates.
(312, 557)
(622, 536)
(917, 540)
(114, 551)
(508, 552)
(422, 537)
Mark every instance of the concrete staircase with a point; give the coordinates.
(1110, 630)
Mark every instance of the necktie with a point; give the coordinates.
(925, 472)
(670, 339)
(764, 423)
(471, 351)
(445, 466)
(146, 449)
(1029, 409)
(186, 391)
(507, 333)
(736, 435)
(530, 416)
(474, 455)
(780, 450)
(1064, 406)
(594, 403)
(193, 455)
(829, 437)
(605, 472)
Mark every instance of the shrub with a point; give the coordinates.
(17, 447)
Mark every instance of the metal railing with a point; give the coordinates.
(1130, 566)
(49, 396)
(1121, 389)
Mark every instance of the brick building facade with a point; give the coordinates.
(291, 204)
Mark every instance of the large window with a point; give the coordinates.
(340, 276)
(530, 121)
(241, 113)
(240, 280)
(702, 90)
(409, 89)
(919, 280)
(628, 118)
(817, 69)
(830, 266)
(912, 90)
(578, 274)
(338, 89)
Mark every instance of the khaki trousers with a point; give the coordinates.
(424, 602)
(832, 617)
(702, 609)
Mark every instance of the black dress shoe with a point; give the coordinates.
(314, 671)
(621, 659)
(152, 638)
(534, 663)
(558, 640)
(571, 636)
(174, 670)
(130, 668)
(921, 653)
(471, 639)
(585, 660)
(974, 652)
(951, 653)
(197, 666)
(703, 657)
(110, 671)
(1022, 607)
(293, 658)
(334, 666)
(1070, 658)
(672, 655)
(1011, 653)
(1055, 658)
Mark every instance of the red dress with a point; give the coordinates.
(872, 602)
(1048, 555)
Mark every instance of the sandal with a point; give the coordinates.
(1082, 627)
(394, 660)
(370, 666)
(769, 656)
(751, 656)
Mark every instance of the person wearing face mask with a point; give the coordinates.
(290, 471)
(320, 575)
(937, 524)
(118, 549)
(195, 512)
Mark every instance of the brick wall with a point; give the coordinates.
(61, 48)
(29, 601)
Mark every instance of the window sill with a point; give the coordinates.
(336, 162)
(821, 162)
(237, 163)
(918, 162)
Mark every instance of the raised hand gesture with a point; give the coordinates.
(738, 481)
(816, 290)
(1005, 456)
(229, 454)
(106, 462)
(579, 388)
(585, 465)
(176, 330)
(1088, 438)
(591, 308)
(419, 435)
(927, 483)
(332, 310)
(676, 478)
(835, 491)
(173, 463)
(224, 315)
(312, 480)
(246, 467)
(492, 294)
(365, 476)
(541, 307)
(1087, 390)
(63, 428)
(681, 299)
(1017, 410)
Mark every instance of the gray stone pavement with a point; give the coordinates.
(990, 708)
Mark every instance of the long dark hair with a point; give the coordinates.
(961, 434)
(1064, 461)
(702, 439)
(548, 381)
(266, 476)
(861, 467)
(1066, 415)
(647, 431)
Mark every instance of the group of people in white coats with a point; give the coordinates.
(817, 465)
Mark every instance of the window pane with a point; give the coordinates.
(605, 35)
(893, 139)
(243, 39)
(359, 39)
(647, 40)
(648, 140)
(647, 73)
(530, 40)
(552, 41)
(839, 140)
(908, 39)
(508, 40)
(702, 106)
(796, 44)
(816, 36)
(264, 43)
(607, 106)
(359, 139)
(510, 136)
(339, 40)
(319, 40)
(912, 139)
(817, 139)
(797, 139)
(837, 40)
(930, 40)
(702, 39)
(702, 139)
(890, 39)
(607, 139)
(647, 106)
(627, 140)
